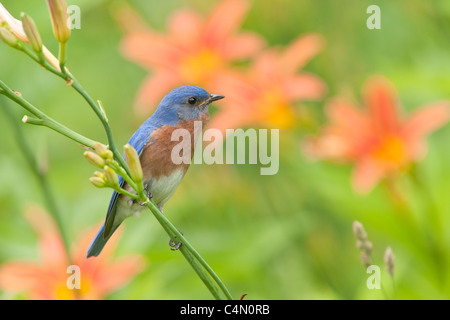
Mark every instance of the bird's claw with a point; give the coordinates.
(147, 188)
(175, 246)
(149, 195)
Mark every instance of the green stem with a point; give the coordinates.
(70, 79)
(62, 55)
(203, 270)
(100, 114)
(188, 251)
(41, 177)
(43, 119)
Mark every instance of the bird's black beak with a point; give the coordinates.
(215, 97)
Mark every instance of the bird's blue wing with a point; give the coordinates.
(138, 142)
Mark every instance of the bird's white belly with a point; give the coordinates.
(162, 189)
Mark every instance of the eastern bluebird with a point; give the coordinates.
(152, 141)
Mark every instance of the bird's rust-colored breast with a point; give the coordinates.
(156, 157)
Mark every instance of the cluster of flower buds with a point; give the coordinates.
(103, 158)
(16, 32)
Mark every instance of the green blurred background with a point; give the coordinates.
(287, 236)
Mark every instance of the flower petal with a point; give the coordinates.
(381, 100)
(303, 86)
(345, 114)
(51, 246)
(366, 175)
(225, 19)
(150, 50)
(328, 146)
(18, 276)
(14, 24)
(230, 118)
(153, 89)
(242, 46)
(427, 119)
(118, 274)
(300, 51)
(265, 67)
(422, 122)
(185, 27)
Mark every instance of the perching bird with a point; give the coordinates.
(152, 141)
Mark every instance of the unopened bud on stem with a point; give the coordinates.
(134, 164)
(98, 182)
(7, 37)
(94, 159)
(111, 177)
(59, 17)
(32, 32)
(103, 151)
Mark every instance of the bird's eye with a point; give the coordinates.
(192, 100)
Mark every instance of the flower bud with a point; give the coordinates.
(103, 151)
(94, 159)
(111, 177)
(133, 162)
(98, 182)
(59, 17)
(7, 37)
(99, 174)
(32, 32)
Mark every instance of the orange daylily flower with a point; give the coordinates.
(194, 51)
(266, 93)
(16, 28)
(379, 140)
(47, 279)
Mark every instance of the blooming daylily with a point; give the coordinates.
(379, 140)
(193, 52)
(16, 28)
(48, 278)
(265, 95)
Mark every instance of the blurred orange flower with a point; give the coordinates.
(48, 278)
(265, 94)
(193, 52)
(379, 140)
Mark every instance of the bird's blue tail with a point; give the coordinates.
(98, 243)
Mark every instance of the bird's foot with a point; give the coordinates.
(175, 246)
(149, 195)
(147, 188)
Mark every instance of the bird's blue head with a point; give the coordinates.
(185, 103)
